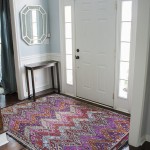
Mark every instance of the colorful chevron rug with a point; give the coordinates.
(58, 122)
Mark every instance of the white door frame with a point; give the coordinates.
(132, 56)
(17, 56)
(62, 45)
(67, 89)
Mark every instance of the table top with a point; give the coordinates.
(43, 64)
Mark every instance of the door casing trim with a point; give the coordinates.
(62, 45)
(67, 89)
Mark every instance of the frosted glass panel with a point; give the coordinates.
(123, 89)
(68, 30)
(68, 46)
(125, 51)
(69, 77)
(127, 11)
(67, 13)
(124, 70)
(69, 61)
(126, 31)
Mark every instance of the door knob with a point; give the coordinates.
(77, 57)
(78, 50)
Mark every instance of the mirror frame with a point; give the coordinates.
(23, 14)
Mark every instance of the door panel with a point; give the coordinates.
(95, 22)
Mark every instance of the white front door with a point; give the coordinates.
(95, 28)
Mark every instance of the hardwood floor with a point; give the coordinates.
(9, 100)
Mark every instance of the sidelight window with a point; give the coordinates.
(68, 45)
(125, 44)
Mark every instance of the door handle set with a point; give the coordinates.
(77, 57)
(78, 50)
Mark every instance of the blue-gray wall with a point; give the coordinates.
(54, 26)
(52, 9)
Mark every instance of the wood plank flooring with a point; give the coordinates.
(8, 100)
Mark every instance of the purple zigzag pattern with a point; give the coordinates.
(61, 123)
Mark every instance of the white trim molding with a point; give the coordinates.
(16, 48)
(66, 88)
(144, 139)
(43, 57)
(140, 71)
(124, 104)
(147, 138)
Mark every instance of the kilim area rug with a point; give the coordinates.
(58, 122)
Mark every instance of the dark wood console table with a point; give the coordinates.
(41, 65)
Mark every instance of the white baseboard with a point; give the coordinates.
(42, 76)
(144, 139)
(38, 89)
(148, 138)
(3, 139)
(122, 110)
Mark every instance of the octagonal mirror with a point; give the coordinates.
(33, 24)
